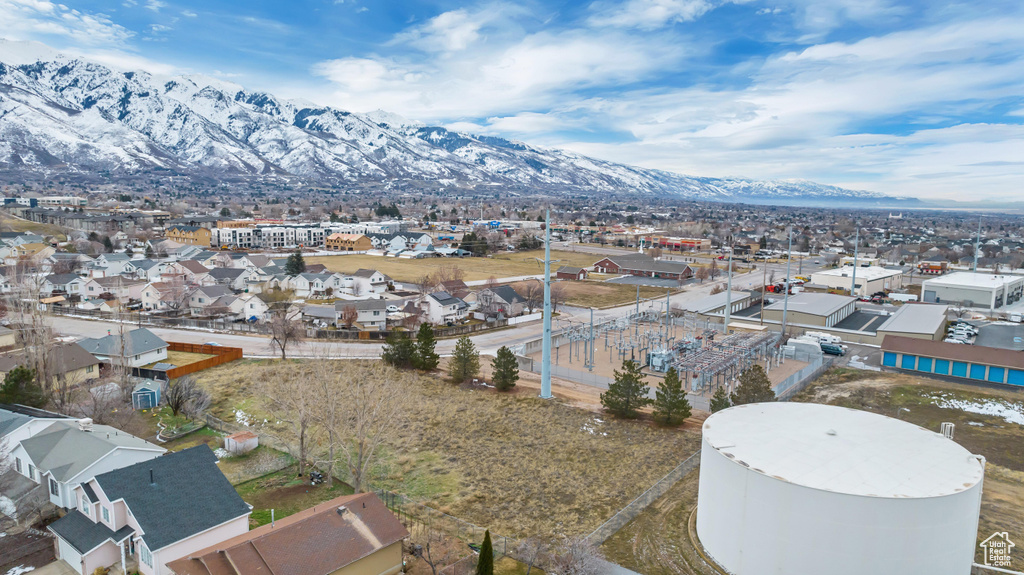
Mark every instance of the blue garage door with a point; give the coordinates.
(909, 361)
(977, 371)
(959, 369)
(1016, 377)
(996, 374)
(924, 364)
(889, 359)
(942, 366)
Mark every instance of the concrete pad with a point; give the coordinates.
(58, 567)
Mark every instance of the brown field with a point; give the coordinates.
(511, 462)
(11, 223)
(498, 265)
(599, 294)
(656, 543)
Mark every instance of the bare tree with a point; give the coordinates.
(533, 294)
(284, 332)
(713, 271)
(575, 556)
(358, 409)
(431, 555)
(180, 393)
(292, 397)
(558, 295)
(701, 274)
(529, 551)
(719, 288)
(349, 315)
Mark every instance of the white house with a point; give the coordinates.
(371, 314)
(204, 296)
(252, 307)
(122, 288)
(140, 347)
(70, 284)
(156, 512)
(441, 308)
(69, 452)
(366, 281)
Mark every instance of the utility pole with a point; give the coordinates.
(638, 299)
(789, 262)
(853, 281)
(545, 368)
(764, 282)
(592, 341)
(977, 246)
(728, 290)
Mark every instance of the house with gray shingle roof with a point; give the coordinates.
(68, 452)
(139, 347)
(164, 508)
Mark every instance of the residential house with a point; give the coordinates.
(457, 288)
(365, 282)
(348, 243)
(252, 308)
(35, 253)
(64, 262)
(442, 308)
(351, 534)
(313, 285)
(139, 347)
(571, 273)
(149, 270)
(190, 270)
(370, 314)
(170, 295)
(188, 235)
(67, 361)
(152, 513)
(204, 296)
(123, 289)
(232, 278)
(70, 284)
(68, 452)
(501, 300)
(114, 264)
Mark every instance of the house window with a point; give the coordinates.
(89, 368)
(31, 472)
(145, 555)
(137, 357)
(17, 464)
(106, 514)
(85, 505)
(54, 488)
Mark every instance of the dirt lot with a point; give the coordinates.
(600, 294)
(497, 265)
(180, 358)
(286, 493)
(656, 542)
(512, 462)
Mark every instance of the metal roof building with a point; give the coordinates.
(870, 279)
(984, 290)
(918, 320)
(809, 488)
(818, 309)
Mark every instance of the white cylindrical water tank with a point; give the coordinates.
(809, 489)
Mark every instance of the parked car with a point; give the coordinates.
(212, 343)
(832, 349)
(392, 308)
(953, 340)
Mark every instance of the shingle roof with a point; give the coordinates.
(140, 341)
(315, 540)
(61, 279)
(188, 495)
(194, 266)
(226, 273)
(64, 451)
(13, 416)
(84, 535)
(507, 294)
(366, 304)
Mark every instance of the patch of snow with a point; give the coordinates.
(976, 423)
(19, 570)
(243, 418)
(221, 453)
(1001, 408)
(7, 507)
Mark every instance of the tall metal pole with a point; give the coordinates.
(728, 291)
(977, 246)
(789, 261)
(853, 281)
(764, 282)
(638, 299)
(545, 368)
(592, 341)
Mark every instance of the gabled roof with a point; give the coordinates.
(117, 281)
(63, 450)
(183, 228)
(64, 357)
(13, 416)
(507, 294)
(226, 273)
(444, 298)
(214, 291)
(188, 495)
(83, 534)
(362, 305)
(322, 539)
(62, 279)
(140, 340)
(194, 266)
(568, 270)
(366, 273)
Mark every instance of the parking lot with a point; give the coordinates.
(1001, 335)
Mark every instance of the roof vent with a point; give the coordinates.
(342, 510)
(85, 424)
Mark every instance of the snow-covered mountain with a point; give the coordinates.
(61, 115)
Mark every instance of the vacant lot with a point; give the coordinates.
(511, 462)
(498, 265)
(987, 423)
(15, 224)
(600, 294)
(180, 358)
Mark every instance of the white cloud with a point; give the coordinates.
(155, 5)
(648, 14)
(189, 14)
(40, 19)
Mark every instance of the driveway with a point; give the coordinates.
(56, 568)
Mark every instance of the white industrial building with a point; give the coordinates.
(715, 304)
(870, 279)
(802, 488)
(970, 289)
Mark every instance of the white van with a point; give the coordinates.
(822, 337)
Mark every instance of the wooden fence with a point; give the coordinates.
(221, 355)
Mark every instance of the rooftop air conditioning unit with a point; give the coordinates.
(85, 424)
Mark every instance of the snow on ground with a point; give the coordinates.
(19, 570)
(1007, 410)
(221, 453)
(243, 418)
(591, 427)
(7, 507)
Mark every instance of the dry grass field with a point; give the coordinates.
(599, 294)
(511, 462)
(180, 358)
(498, 265)
(9, 223)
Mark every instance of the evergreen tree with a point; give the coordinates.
(296, 264)
(754, 387)
(225, 212)
(670, 404)
(627, 393)
(720, 400)
(108, 246)
(149, 251)
(505, 369)
(20, 386)
(465, 361)
(426, 358)
(399, 350)
(485, 564)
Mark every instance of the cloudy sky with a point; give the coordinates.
(922, 98)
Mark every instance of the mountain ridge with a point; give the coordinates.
(68, 115)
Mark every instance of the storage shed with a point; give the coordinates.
(241, 442)
(969, 362)
(146, 394)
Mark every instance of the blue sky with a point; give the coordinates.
(903, 97)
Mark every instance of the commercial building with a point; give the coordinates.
(191, 235)
(643, 265)
(715, 304)
(983, 290)
(674, 244)
(808, 488)
(917, 320)
(817, 309)
(969, 362)
(870, 279)
(349, 243)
